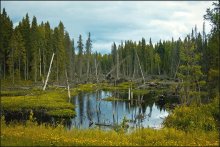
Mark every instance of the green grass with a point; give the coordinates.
(140, 91)
(185, 126)
(14, 93)
(55, 102)
(19, 83)
(85, 87)
(44, 135)
(120, 87)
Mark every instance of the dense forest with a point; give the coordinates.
(26, 51)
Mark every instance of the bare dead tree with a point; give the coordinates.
(67, 83)
(48, 74)
(140, 66)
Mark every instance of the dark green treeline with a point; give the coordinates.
(26, 51)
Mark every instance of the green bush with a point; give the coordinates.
(204, 117)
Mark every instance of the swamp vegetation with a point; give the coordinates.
(186, 125)
(139, 95)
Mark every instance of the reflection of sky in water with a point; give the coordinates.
(89, 108)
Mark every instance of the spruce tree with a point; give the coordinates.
(88, 53)
(34, 44)
(80, 55)
(6, 29)
(190, 73)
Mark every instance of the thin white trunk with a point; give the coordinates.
(132, 98)
(40, 61)
(68, 87)
(48, 74)
(140, 66)
(117, 66)
(113, 68)
(158, 66)
(96, 71)
(129, 94)
(44, 67)
(87, 72)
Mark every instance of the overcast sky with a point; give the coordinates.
(114, 21)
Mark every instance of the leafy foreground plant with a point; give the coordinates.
(191, 118)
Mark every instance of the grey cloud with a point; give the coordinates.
(110, 21)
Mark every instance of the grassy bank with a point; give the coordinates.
(186, 126)
(20, 135)
(52, 102)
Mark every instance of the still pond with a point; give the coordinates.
(92, 110)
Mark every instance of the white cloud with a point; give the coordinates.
(110, 21)
(103, 47)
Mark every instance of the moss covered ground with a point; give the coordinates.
(185, 126)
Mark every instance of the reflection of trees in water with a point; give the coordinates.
(91, 108)
(161, 107)
(81, 107)
(98, 111)
(73, 100)
(150, 112)
(138, 110)
(144, 107)
(88, 108)
(67, 122)
(140, 103)
(113, 111)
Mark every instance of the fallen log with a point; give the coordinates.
(100, 124)
(59, 86)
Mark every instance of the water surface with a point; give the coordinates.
(92, 111)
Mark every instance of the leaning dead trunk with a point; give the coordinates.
(40, 62)
(48, 74)
(158, 66)
(68, 87)
(140, 67)
(87, 71)
(129, 93)
(96, 71)
(117, 73)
